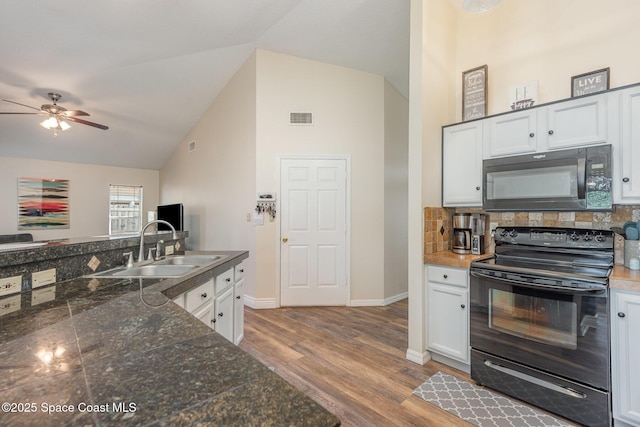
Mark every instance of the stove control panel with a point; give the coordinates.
(555, 237)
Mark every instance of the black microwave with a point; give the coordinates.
(577, 179)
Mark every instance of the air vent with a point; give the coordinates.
(300, 118)
(192, 146)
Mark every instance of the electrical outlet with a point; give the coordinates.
(41, 278)
(168, 250)
(492, 228)
(10, 285)
(249, 217)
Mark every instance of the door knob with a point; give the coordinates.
(285, 239)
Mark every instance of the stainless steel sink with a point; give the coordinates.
(149, 271)
(172, 266)
(198, 260)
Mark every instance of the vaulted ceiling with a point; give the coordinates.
(149, 69)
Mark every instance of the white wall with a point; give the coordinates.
(88, 194)
(548, 41)
(396, 157)
(216, 182)
(348, 109)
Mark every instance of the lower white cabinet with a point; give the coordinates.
(447, 312)
(219, 303)
(625, 354)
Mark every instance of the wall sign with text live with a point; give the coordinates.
(592, 82)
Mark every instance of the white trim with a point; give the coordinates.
(461, 366)
(347, 159)
(261, 303)
(378, 302)
(419, 358)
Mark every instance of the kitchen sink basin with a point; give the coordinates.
(149, 271)
(190, 260)
(172, 266)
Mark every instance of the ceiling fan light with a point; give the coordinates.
(479, 6)
(63, 125)
(50, 123)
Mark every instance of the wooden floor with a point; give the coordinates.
(351, 360)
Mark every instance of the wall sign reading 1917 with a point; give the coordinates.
(594, 81)
(474, 93)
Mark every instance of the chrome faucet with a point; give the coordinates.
(156, 221)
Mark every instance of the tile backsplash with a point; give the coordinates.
(437, 219)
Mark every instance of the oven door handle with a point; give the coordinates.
(543, 383)
(558, 289)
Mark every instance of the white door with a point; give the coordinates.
(313, 232)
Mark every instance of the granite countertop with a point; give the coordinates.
(118, 352)
(450, 259)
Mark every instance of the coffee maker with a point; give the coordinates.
(468, 233)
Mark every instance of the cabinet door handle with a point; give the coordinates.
(445, 276)
(204, 295)
(621, 314)
(213, 321)
(625, 179)
(462, 306)
(241, 270)
(238, 297)
(550, 131)
(531, 135)
(478, 188)
(227, 279)
(220, 314)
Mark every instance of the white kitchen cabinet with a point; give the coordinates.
(626, 156)
(447, 313)
(223, 314)
(573, 123)
(566, 124)
(511, 134)
(219, 303)
(625, 324)
(238, 304)
(462, 164)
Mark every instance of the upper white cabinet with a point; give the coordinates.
(626, 156)
(566, 124)
(511, 134)
(575, 123)
(462, 164)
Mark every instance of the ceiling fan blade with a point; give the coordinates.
(85, 122)
(35, 114)
(74, 113)
(24, 105)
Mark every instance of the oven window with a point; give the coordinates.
(549, 321)
(545, 182)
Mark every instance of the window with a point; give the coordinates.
(125, 209)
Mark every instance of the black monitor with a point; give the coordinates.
(173, 214)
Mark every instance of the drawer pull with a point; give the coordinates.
(531, 135)
(213, 321)
(445, 276)
(621, 314)
(462, 306)
(625, 179)
(238, 297)
(220, 314)
(241, 270)
(204, 295)
(227, 279)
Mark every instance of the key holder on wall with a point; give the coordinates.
(267, 204)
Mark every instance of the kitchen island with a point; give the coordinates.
(119, 352)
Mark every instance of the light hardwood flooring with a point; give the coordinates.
(351, 360)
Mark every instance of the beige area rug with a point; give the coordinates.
(479, 406)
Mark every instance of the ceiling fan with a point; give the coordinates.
(57, 115)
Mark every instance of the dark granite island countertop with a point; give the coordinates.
(114, 352)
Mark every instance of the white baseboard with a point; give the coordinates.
(260, 303)
(461, 366)
(378, 302)
(416, 357)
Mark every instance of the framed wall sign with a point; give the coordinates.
(474, 93)
(591, 82)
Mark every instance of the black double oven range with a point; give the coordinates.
(539, 320)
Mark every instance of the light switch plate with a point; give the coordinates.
(41, 278)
